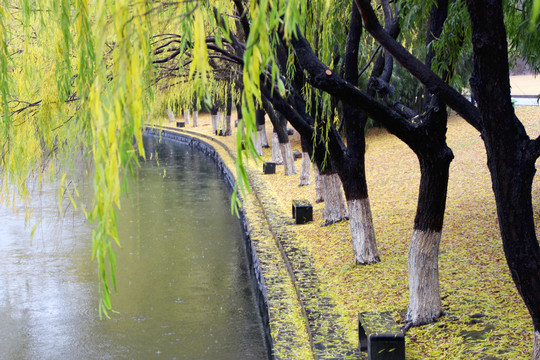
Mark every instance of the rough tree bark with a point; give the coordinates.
(335, 208)
(221, 122)
(195, 113)
(318, 184)
(288, 158)
(305, 175)
(195, 118)
(238, 114)
(170, 115)
(285, 145)
(276, 151)
(352, 165)
(261, 128)
(228, 129)
(424, 294)
(281, 149)
(257, 137)
(214, 114)
(510, 152)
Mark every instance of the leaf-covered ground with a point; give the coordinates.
(485, 317)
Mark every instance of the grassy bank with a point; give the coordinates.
(485, 317)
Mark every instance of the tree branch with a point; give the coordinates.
(433, 82)
(321, 77)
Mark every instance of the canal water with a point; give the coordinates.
(184, 288)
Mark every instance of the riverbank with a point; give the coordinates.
(485, 316)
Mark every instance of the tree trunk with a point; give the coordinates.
(276, 150)
(170, 115)
(510, 152)
(305, 172)
(221, 123)
(362, 232)
(214, 123)
(261, 129)
(288, 158)
(261, 132)
(186, 116)
(257, 143)
(424, 296)
(512, 175)
(335, 207)
(536, 346)
(215, 118)
(195, 118)
(238, 114)
(318, 184)
(351, 166)
(279, 123)
(227, 128)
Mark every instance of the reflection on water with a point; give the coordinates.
(184, 288)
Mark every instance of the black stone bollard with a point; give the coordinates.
(380, 336)
(302, 211)
(269, 168)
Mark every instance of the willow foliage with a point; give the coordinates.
(76, 80)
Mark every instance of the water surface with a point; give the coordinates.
(184, 287)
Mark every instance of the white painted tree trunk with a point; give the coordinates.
(214, 124)
(305, 177)
(276, 150)
(186, 117)
(228, 130)
(288, 159)
(257, 143)
(195, 118)
(221, 122)
(261, 132)
(334, 201)
(362, 232)
(536, 346)
(170, 115)
(318, 184)
(424, 296)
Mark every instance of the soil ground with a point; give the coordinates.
(485, 317)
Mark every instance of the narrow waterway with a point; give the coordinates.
(184, 286)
